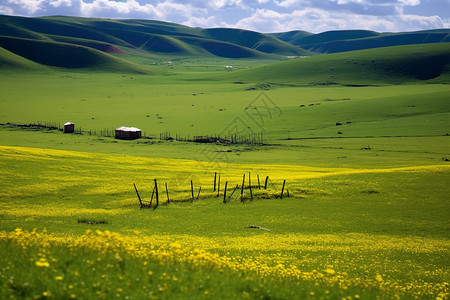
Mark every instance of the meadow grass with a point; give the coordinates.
(359, 223)
(376, 232)
(181, 106)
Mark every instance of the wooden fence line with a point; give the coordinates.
(155, 193)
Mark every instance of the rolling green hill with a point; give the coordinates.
(256, 41)
(379, 41)
(335, 35)
(350, 40)
(144, 38)
(64, 55)
(291, 36)
(120, 45)
(389, 65)
(11, 60)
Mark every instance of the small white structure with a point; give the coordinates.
(128, 133)
(69, 127)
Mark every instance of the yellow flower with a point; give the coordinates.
(59, 278)
(175, 246)
(42, 263)
(330, 271)
(379, 278)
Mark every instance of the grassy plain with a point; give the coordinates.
(366, 232)
(359, 223)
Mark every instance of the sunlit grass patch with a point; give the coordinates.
(21, 210)
(366, 232)
(103, 263)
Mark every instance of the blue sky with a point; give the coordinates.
(259, 15)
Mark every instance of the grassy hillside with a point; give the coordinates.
(333, 36)
(350, 40)
(64, 55)
(256, 41)
(9, 60)
(145, 40)
(389, 65)
(291, 36)
(59, 27)
(104, 47)
(379, 41)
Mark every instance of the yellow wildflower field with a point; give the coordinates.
(353, 231)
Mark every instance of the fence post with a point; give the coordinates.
(237, 185)
(242, 189)
(156, 192)
(259, 185)
(167, 193)
(192, 191)
(265, 183)
(139, 197)
(218, 187)
(282, 189)
(250, 185)
(225, 193)
(215, 176)
(199, 190)
(151, 199)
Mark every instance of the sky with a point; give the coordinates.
(259, 15)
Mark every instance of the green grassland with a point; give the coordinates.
(350, 40)
(358, 223)
(389, 65)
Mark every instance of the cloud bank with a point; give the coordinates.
(259, 15)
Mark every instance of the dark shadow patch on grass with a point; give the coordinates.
(370, 192)
(92, 222)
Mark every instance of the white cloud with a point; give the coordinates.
(169, 9)
(241, 4)
(409, 2)
(113, 8)
(349, 1)
(29, 6)
(58, 3)
(364, 7)
(289, 3)
(318, 20)
(5, 10)
(203, 22)
(413, 22)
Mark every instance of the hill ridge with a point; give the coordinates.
(388, 65)
(110, 44)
